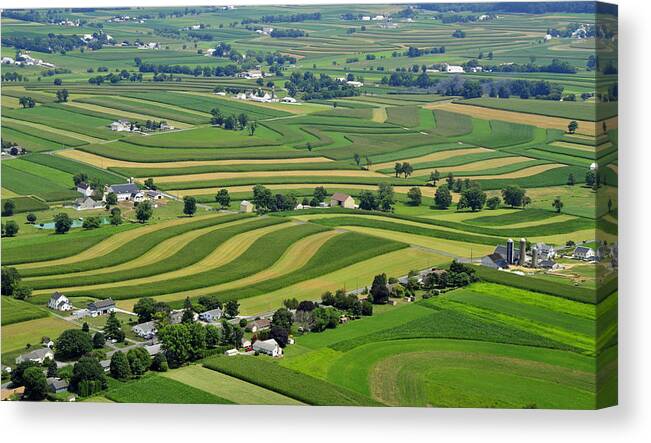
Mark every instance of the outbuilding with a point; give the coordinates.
(342, 200)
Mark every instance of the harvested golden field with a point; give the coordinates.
(480, 166)
(453, 249)
(157, 253)
(541, 121)
(104, 162)
(519, 174)
(223, 254)
(235, 175)
(112, 243)
(395, 264)
(435, 156)
(295, 257)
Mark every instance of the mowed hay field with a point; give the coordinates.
(542, 121)
(105, 162)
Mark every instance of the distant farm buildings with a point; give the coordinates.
(59, 302)
(246, 206)
(342, 200)
(504, 256)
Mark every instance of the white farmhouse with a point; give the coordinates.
(59, 302)
(584, 253)
(121, 126)
(126, 191)
(85, 189)
(269, 347)
(145, 330)
(453, 69)
(37, 356)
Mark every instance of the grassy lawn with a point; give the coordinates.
(229, 388)
(16, 311)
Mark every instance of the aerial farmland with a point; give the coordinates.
(369, 205)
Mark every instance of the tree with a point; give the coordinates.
(590, 178)
(111, 199)
(98, 340)
(397, 169)
(57, 82)
(434, 177)
(291, 303)
(320, 193)
(72, 343)
(189, 205)
(442, 197)
(11, 228)
(526, 201)
(113, 328)
(450, 180)
(379, 290)
(52, 368)
(27, 102)
(79, 178)
(88, 377)
(31, 218)
(116, 217)
(473, 198)
(385, 197)
(232, 308)
(175, 341)
(159, 363)
(415, 196)
(513, 196)
(282, 317)
(35, 384)
(8, 208)
(357, 159)
(252, 127)
(145, 309)
(22, 293)
(557, 204)
(119, 366)
(407, 169)
(367, 201)
(570, 180)
(572, 127)
(262, 198)
(139, 361)
(144, 211)
(85, 327)
(493, 202)
(188, 311)
(62, 223)
(18, 373)
(10, 280)
(223, 198)
(217, 117)
(91, 223)
(62, 95)
(280, 334)
(210, 302)
(324, 318)
(242, 119)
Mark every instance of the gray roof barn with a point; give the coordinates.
(127, 188)
(101, 305)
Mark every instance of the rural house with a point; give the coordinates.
(37, 355)
(59, 302)
(84, 203)
(269, 347)
(342, 200)
(246, 206)
(126, 191)
(584, 253)
(545, 251)
(177, 315)
(146, 330)
(121, 126)
(57, 385)
(258, 325)
(85, 189)
(211, 316)
(101, 307)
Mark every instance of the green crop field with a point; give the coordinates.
(341, 140)
(157, 389)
